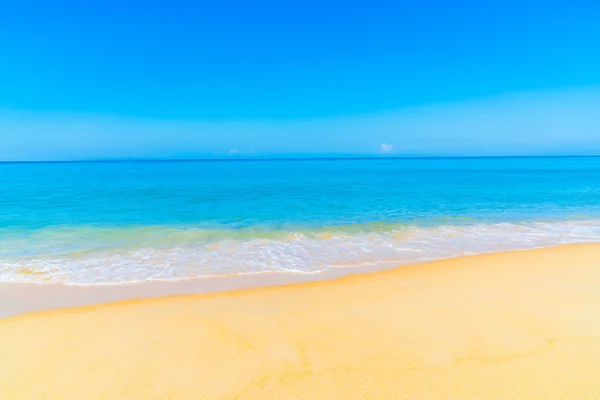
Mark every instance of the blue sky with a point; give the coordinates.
(113, 79)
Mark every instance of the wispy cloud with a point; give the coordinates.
(558, 122)
(385, 148)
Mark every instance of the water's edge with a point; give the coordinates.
(171, 255)
(21, 298)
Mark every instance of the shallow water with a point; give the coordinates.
(133, 221)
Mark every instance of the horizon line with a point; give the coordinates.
(266, 159)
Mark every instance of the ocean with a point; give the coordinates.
(113, 222)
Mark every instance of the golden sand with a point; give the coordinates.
(517, 325)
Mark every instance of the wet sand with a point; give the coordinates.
(514, 325)
(20, 298)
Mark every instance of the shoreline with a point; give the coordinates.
(519, 324)
(295, 253)
(18, 298)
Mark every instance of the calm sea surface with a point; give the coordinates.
(105, 222)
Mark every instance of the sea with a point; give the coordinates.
(86, 223)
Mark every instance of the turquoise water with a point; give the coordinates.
(106, 222)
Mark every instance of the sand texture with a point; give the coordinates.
(516, 325)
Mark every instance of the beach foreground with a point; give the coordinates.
(515, 325)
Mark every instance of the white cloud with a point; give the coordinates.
(232, 152)
(385, 148)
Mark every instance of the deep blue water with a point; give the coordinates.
(193, 217)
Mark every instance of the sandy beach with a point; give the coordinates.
(514, 325)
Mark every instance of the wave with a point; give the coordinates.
(106, 255)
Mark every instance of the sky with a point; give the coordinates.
(197, 79)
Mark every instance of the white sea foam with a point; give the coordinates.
(297, 253)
